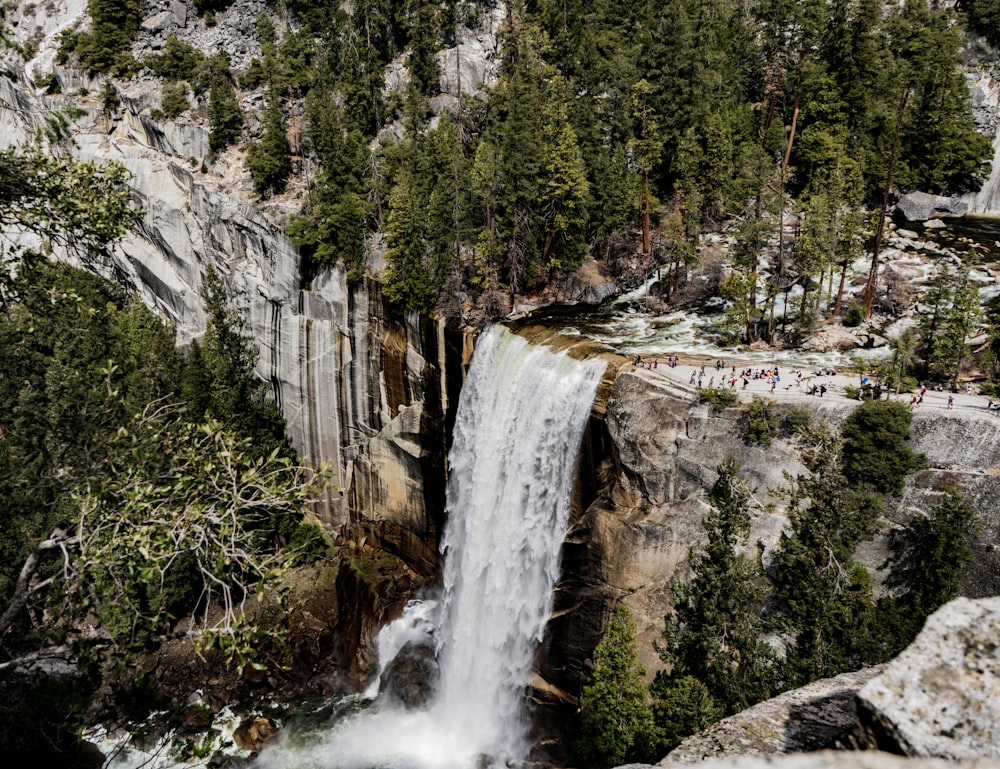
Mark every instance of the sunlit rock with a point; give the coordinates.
(941, 696)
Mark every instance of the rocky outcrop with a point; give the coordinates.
(941, 696)
(661, 447)
(920, 206)
(839, 760)
(811, 718)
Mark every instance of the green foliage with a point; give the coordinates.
(336, 216)
(225, 117)
(106, 46)
(825, 595)
(174, 99)
(608, 124)
(50, 82)
(160, 531)
(715, 632)
(762, 421)
(110, 99)
(407, 279)
(875, 450)
(564, 190)
(179, 61)
(984, 18)
(219, 381)
(720, 398)
(96, 442)
(796, 420)
(683, 706)
(424, 27)
(269, 160)
(955, 313)
(929, 558)
(307, 545)
(615, 717)
(81, 205)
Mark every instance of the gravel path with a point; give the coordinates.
(792, 386)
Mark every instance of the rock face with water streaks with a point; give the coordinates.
(363, 385)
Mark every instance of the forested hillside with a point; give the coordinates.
(611, 129)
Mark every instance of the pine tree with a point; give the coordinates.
(225, 118)
(510, 157)
(615, 717)
(269, 160)
(646, 149)
(875, 449)
(563, 187)
(825, 594)
(406, 278)
(960, 316)
(715, 633)
(220, 380)
(929, 558)
(335, 223)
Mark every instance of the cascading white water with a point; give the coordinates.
(519, 425)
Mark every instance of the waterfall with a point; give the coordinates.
(520, 420)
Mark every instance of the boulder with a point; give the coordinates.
(254, 732)
(920, 206)
(941, 696)
(410, 679)
(813, 717)
(846, 759)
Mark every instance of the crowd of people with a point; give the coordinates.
(815, 382)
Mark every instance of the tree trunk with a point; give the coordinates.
(840, 289)
(645, 215)
(869, 294)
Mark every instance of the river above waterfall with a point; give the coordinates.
(632, 325)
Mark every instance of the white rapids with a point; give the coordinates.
(520, 422)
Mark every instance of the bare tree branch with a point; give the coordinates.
(59, 539)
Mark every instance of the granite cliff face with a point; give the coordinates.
(661, 448)
(362, 384)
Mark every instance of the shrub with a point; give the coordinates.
(683, 706)
(762, 421)
(720, 399)
(308, 542)
(179, 60)
(875, 449)
(795, 419)
(109, 97)
(174, 99)
(855, 315)
(50, 82)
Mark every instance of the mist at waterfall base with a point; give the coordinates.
(518, 430)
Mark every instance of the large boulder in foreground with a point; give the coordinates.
(845, 759)
(920, 206)
(941, 696)
(811, 718)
